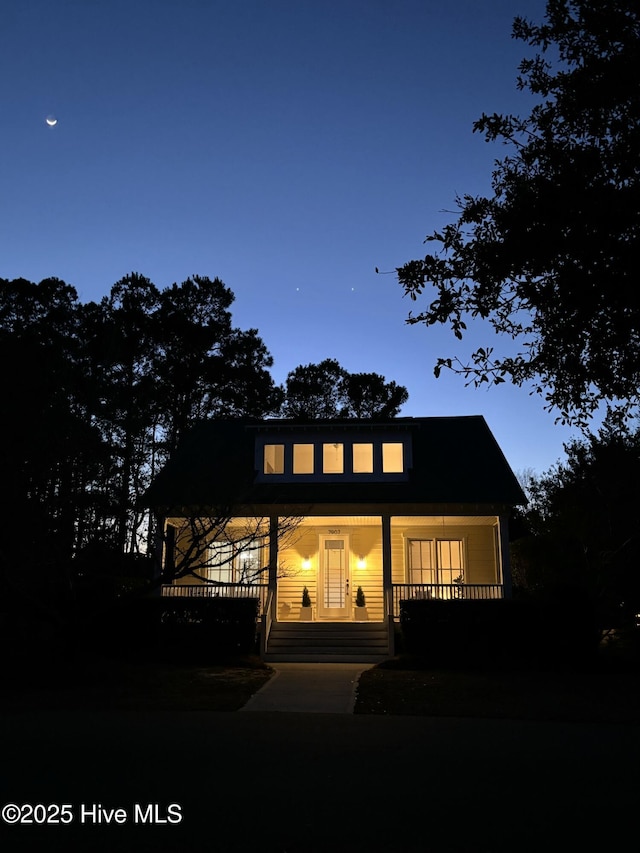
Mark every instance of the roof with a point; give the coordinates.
(454, 460)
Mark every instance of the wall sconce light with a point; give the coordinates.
(306, 563)
(361, 563)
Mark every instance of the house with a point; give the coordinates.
(405, 508)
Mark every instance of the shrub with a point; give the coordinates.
(550, 634)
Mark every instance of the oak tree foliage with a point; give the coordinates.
(327, 390)
(581, 527)
(549, 259)
(96, 397)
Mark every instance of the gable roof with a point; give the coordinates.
(454, 460)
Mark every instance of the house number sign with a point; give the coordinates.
(334, 530)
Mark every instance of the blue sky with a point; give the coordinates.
(288, 147)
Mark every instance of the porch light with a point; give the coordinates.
(361, 563)
(306, 563)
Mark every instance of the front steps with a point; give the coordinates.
(327, 642)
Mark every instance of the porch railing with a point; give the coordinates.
(266, 621)
(230, 590)
(443, 591)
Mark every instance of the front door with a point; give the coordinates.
(334, 599)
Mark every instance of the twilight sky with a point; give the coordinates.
(288, 147)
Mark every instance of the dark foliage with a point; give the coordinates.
(198, 630)
(96, 397)
(558, 631)
(327, 390)
(191, 628)
(550, 258)
(583, 524)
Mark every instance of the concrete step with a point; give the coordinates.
(315, 657)
(329, 640)
(321, 629)
(349, 642)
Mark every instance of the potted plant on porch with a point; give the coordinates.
(360, 610)
(306, 613)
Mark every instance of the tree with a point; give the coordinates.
(327, 390)
(160, 360)
(203, 366)
(367, 395)
(583, 525)
(96, 397)
(550, 258)
(51, 453)
(123, 342)
(314, 391)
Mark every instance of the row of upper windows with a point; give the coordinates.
(335, 458)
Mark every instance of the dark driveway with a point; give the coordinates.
(288, 783)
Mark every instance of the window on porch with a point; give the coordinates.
(439, 561)
(235, 562)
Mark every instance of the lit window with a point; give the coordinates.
(303, 458)
(333, 458)
(450, 566)
(363, 458)
(392, 462)
(421, 562)
(235, 562)
(438, 567)
(274, 459)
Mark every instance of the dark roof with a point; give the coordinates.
(454, 460)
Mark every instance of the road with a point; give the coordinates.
(314, 783)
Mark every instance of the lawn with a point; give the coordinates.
(602, 693)
(607, 692)
(112, 684)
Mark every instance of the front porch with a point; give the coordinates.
(388, 558)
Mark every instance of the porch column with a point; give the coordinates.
(166, 550)
(503, 556)
(386, 565)
(273, 554)
(158, 546)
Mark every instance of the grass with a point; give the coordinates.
(609, 691)
(601, 693)
(118, 685)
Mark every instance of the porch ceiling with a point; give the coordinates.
(398, 520)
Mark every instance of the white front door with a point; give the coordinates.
(334, 597)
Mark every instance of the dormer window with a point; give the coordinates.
(274, 459)
(362, 458)
(392, 461)
(334, 456)
(303, 459)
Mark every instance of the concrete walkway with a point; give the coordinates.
(326, 688)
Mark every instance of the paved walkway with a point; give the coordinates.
(327, 688)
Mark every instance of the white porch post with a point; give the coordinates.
(387, 580)
(273, 556)
(386, 565)
(503, 556)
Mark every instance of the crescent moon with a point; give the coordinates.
(52, 121)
